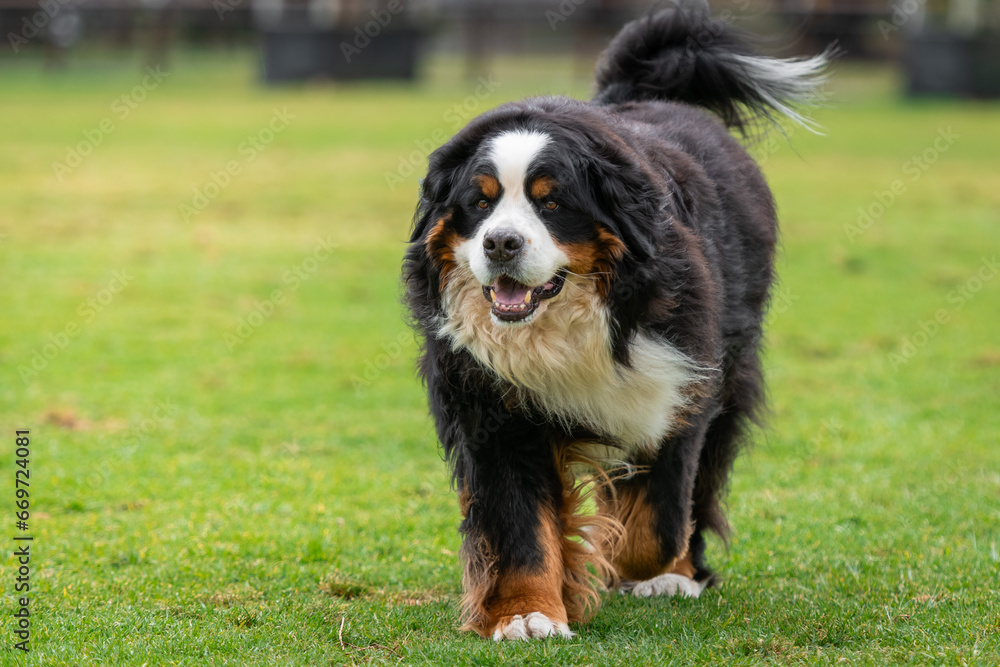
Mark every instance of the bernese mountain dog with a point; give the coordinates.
(589, 280)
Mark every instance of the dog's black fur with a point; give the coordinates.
(643, 163)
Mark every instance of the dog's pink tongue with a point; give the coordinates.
(510, 292)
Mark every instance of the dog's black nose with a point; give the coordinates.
(502, 245)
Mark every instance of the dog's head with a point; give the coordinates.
(527, 203)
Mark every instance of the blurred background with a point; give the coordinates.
(203, 209)
(944, 46)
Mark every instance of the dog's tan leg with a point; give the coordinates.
(517, 603)
(639, 560)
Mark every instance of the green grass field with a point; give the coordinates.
(226, 475)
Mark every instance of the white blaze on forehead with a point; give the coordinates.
(512, 154)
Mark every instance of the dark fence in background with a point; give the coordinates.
(943, 49)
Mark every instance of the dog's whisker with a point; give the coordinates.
(592, 276)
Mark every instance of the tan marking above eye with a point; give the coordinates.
(489, 185)
(542, 186)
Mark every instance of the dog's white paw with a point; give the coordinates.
(535, 625)
(666, 585)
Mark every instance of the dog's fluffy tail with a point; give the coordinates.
(683, 55)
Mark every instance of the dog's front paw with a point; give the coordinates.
(665, 585)
(535, 625)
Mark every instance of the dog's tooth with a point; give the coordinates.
(527, 296)
(493, 294)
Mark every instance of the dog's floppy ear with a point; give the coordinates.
(625, 202)
(420, 277)
(434, 190)
(445, 166)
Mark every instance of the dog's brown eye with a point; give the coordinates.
(551, 206)
(482, 203)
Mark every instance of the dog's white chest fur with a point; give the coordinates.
(561, 362)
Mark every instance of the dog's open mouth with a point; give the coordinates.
(514, 302)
